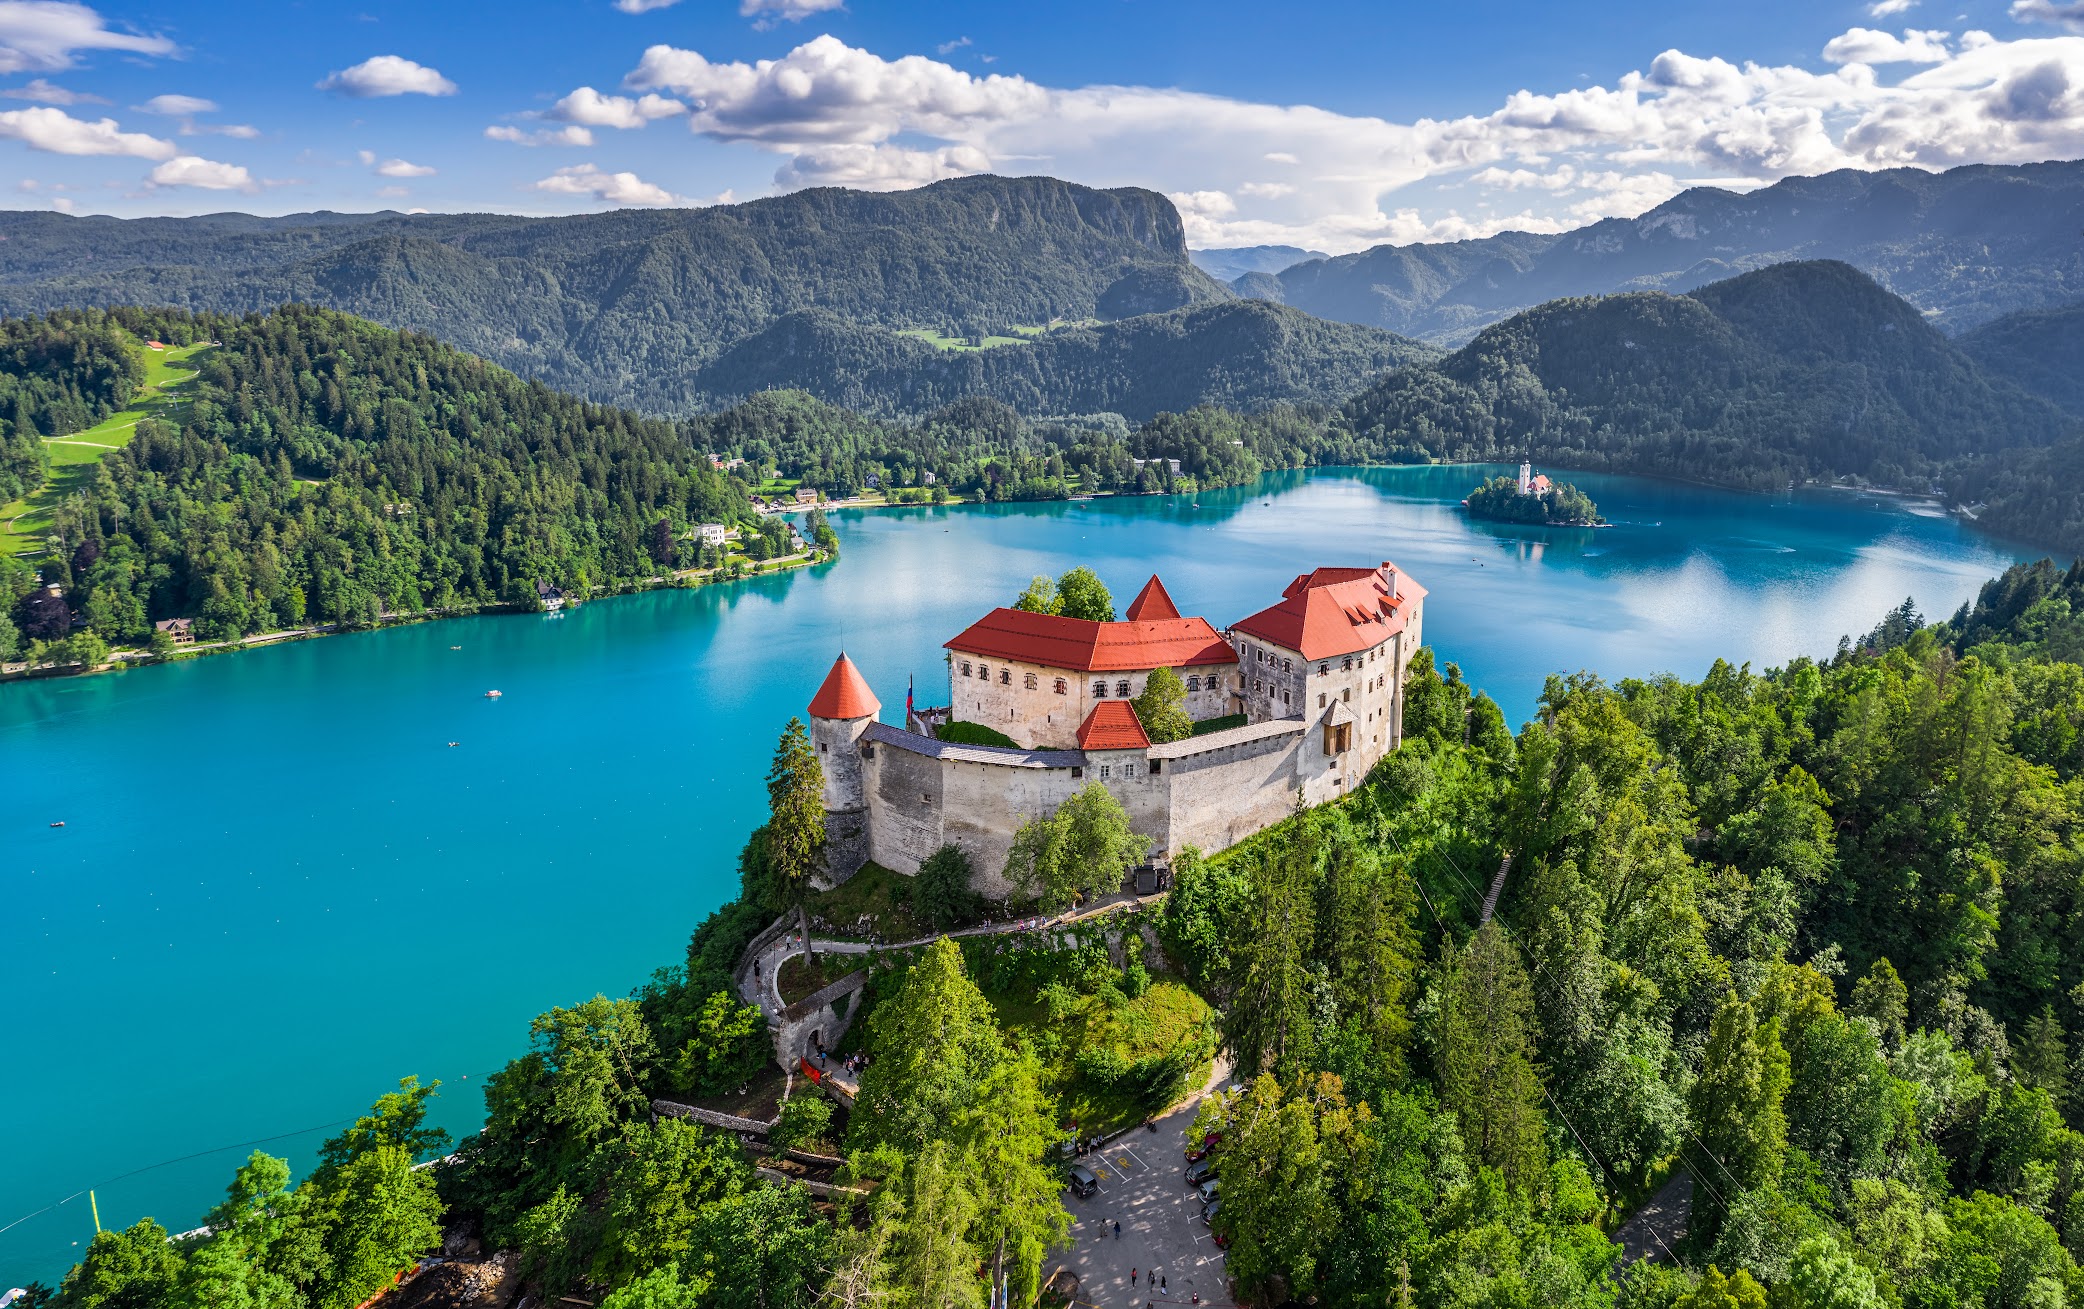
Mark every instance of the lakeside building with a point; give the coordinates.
(1531, 482)
(1317, 677)
(714, 534)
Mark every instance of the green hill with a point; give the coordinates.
(1798, 370)
(2042, 350)
(622, 307)
(324, 469)
(1239, 354)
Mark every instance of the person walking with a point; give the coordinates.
(1162, 1287)
(1132, 1277)
(1117, 1229)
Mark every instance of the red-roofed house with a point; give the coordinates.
(1036, 677)
(1338, 636)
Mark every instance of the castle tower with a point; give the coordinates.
(840, 712)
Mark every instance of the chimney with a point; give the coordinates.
(1389, 575)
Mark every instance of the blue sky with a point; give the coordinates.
(1332, 126)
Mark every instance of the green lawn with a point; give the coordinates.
(24, 522)
(1022, 333)
(1163, 1018)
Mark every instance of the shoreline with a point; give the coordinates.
(127, 658)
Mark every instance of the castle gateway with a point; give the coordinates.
(1318, 679)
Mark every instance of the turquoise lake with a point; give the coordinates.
(278, 889)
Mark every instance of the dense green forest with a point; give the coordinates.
(1805, 938)
(1240, 355)
(1796, 371)
(625, 307)
(328, 470)
(1965, 246)
(2042, 350)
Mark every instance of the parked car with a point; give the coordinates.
(1208, 1191)
(1201, 1149)
(1200, 1171)
(1208, 1216)
(1082, 1181)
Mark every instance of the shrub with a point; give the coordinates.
(961, 733)
(941, 895)
(804, 1121)
(1102, 1065)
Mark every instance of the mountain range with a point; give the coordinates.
(1227, 265)
(1965, 246)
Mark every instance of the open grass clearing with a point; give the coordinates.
(25, 522)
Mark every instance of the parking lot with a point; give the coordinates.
(1143, 1187)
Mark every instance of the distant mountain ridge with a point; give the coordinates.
(1964, 246)
(1227, 265)
(2040, 349)
(625, 307)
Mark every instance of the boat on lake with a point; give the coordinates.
(491, 695)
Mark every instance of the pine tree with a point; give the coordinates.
(1488, 1073)
(1374, 950)
(1881, 998)
(1737, 1105)
(795, 837)
(1268, 1020)
(2042, 1056)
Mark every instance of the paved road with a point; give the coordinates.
(1143, 1186)
(1660, 1223)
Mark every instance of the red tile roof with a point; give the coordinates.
(1151, 602)
(1112, 725)
(1336, 611)
(1075, 643)
(845, 693)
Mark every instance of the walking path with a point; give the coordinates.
(1657, 1226)
(758, 982)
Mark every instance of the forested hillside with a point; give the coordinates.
(1240, 355)
(58, 375)
(1796, 371)
(2042, 350)
(623, 307)
(329, 470)
(1802, 941)
(1964, 246)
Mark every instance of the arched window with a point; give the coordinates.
(1062, 687)
(1121, 689)
(1030, 681)
(1347, 667)
(1325, 668)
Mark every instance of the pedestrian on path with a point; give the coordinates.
(1117, 1229)
(1132, 1277)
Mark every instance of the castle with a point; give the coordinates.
(1318, 679)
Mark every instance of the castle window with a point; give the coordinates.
(1347, 695)
(1325, 668)
(1193, 684)
(1077, 772)
(983, 672)
(1347, 667)
(823, 748)
(1121, 689)
(1284, 697)
(1062, 687)
(1320, 699)
(965, 668)
(1005, 677)
(1030, 681)
(1157, 766)
(1099, 690)
(1287, 665)
(1106, 771)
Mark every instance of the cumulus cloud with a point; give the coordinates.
(765, 13)
(838, 114)
(569, 135)
(43, 35)
(400, 168)
(2068, 14)
(1864, 45)
(385, 75)
(177, 106)
(589, 108)
(644, 6)
(614, 188)
(49, 93)
(60, 133)
(1884, 8)
(208, 174)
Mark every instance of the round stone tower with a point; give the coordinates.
(840, 712)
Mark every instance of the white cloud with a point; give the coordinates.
(2068, 14)
(42, 36)
(1203, 204)
(644, 6)
(242, 131)
(1864, 45)
(1884, 8)
(765, 13)
(384, 75)
(950, 47)
(368, 157)
(615, 188)
(400, 168)
(188, 170)
(45, 92)
(569, 135)
(589, 108)
(60, 133)
(177, 106)
(838, 114)
(1266, 190)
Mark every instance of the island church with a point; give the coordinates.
(1317, 679)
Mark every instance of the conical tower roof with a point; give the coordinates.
(845, 693)
(1151, 603)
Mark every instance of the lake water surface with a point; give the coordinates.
(278, 888)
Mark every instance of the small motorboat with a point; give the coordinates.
(455, 647)
(491, 695)
(454, 744)
(58, 824)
